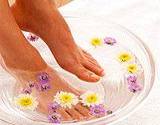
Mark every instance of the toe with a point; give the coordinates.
(75, 114)
(91, 61)
(86, 75)
(64, 114)
(83, 110)
(94, 68)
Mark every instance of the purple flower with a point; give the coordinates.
(52, 107)
(27, 90)
(43, 87)
(54, 118)
(135, 87)
(31, 37)
(98, 110)
(109, 40)
(131, 79)
(43, 78)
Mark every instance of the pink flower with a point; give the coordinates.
(31, 37)
(54, 118)
(43, 78)
(131, 79)
(110, 40)
(98, 110)
(133, 85)
(52, 107)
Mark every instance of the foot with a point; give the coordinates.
(26, 70)
(44, 20)
(57, 84)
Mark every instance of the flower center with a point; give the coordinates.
(26, 102)
(66, 99)
(92, 99)
(132, 68)
(125, 57)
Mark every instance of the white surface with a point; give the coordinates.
(141, 17)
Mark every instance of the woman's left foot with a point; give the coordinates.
(42, 18)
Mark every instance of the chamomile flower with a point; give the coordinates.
(91, 98)
(26, 102)
(66, 99)
(133, 68)
(125, 57)
(96, 42)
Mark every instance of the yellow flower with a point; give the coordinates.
(66, 99)
(90, 98)
(134, 68)
(26, 102)
(96, 42)
(125, 57)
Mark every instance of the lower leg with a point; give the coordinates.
(14, 48)
(44, 20)
(24, 62)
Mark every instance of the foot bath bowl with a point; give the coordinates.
(128, 65)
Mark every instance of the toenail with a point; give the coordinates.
(102, 72)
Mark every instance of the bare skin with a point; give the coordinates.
(23, 61)
(42, 18)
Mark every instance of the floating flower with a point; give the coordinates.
(27, 90)
(134, 68)
(98, 110)
(131, 79)
(31, 37)
(43, 77)
(66, 99)
(26, 102)
(52, 107)
(96, 42)
(90, 98)
(135, 87)
(54, 118)
(43, 87)
(125, 57)
(109, 40)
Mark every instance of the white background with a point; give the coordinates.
(141, 17)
